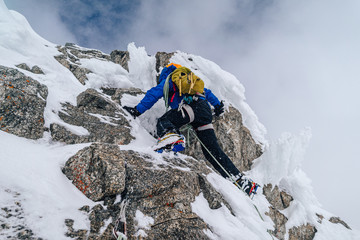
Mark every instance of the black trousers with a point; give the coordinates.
(199, 114)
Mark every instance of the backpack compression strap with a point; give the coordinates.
(166, 91)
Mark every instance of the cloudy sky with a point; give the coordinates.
(298, 60)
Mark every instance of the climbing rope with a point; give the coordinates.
(190, 129)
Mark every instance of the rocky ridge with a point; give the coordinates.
(107, 174)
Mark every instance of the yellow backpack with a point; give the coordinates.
(187, 82)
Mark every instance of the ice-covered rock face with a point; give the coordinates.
(22, 103)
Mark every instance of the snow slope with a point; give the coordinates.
(31, 175)
(30, 172)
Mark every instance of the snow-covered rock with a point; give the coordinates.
(95, 118)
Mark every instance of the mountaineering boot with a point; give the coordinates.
(247, 185)
(170, 142)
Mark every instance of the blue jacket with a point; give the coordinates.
(157, 92)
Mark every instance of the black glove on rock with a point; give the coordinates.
(219, 109)
(133, 111)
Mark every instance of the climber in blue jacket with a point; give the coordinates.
(157, 92)
(198, 114)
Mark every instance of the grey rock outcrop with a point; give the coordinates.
(120, 57)
(279, 220)
(71, 54)
(236, 140)
(281, 200)
(99, 115)
(35, 69)
(97, 171)
(22, 104)
(69, 60)
(164, 195)
(79, 52)
(303, 232)
(162, 59)
(24, 66)
(337, 220)
(278, 199)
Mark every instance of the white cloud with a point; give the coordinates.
(44, 18)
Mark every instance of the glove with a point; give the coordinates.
(219, 109)
(133, 111)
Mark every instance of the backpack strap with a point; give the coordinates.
(191, 80)
(166, 91)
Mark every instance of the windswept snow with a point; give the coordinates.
(141, 67)
(106, 74)
(30, 175)
(246, 224)
(142, 222)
